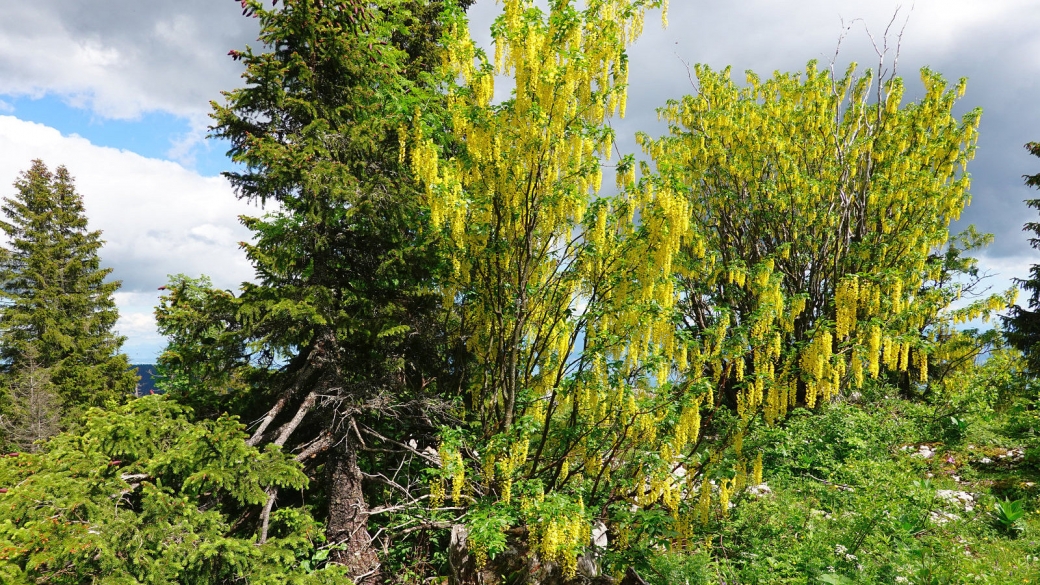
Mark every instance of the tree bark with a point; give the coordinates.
(348, 515)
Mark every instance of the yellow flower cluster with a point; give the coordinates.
(453, 466)
(873, 350)
(725, 491)
(704, 502)
(558, 538)
(509, 464)
(436, 492)
(846, 303)
(756, 473)
(922, 365)
(662, 487)
(984, 309)
(740, 478)
(689, 427)
(488, 468)
(780, 393)
(822, 374)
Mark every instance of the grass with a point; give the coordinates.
(888, 491)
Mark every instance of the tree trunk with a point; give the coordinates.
(348, 515)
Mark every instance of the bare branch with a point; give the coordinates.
(288, 428)
(132, 477)
(391, 483)
(414, 451)
(899, 40)
(436, 525)
(267, 420)
(272, 493)
(319, 445)
(689, 72)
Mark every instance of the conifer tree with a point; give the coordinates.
(1023, 325)
(58, 311)
(331, 342)
(33, 413)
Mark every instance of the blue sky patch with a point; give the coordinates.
(150, 135)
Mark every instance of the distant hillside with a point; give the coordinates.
(147, 384)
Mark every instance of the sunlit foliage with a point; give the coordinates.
(568, 324)
(143, 495)
(784, 245)
(816, 212)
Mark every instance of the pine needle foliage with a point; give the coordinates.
(205, 365)
(1023, 324)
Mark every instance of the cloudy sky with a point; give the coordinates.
(118, 91)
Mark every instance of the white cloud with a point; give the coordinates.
(183, 148)
(1003, 270)
(157, 217)
(138, 325)
(121, 58)
(992, 43)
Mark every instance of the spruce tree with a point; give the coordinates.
(336, 348)
(57, 308)
(1022, 326)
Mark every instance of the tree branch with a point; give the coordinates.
(319, 445)
(288, 428)
(272, 493)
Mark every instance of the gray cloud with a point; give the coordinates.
(157, 217)
(124, 57)
(993, 44)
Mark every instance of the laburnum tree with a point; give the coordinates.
(564, 301)
(1023, 325)
(820, 216)
(955, 347)
(58, 312)
(790, 240)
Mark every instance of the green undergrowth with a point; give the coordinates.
(887, 490)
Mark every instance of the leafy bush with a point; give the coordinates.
(143, 495)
